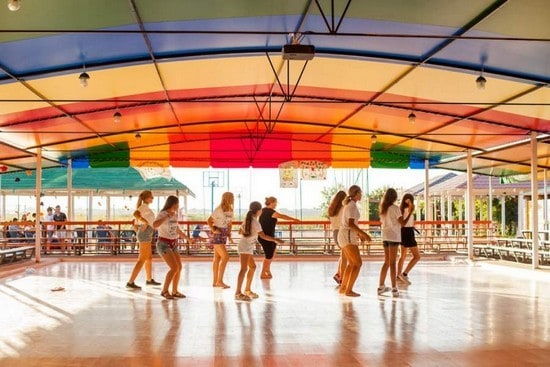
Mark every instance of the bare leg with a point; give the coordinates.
(342, 263)
(250, 273)
(148, 261)
(414, 260)
(172, 263)
(385, 266)
(345, 275)
(215, 267)
(177, 272)
(393, 266)
(266, 269)
(352, 269)
(402, 258)
(244, 264)
(219, 267)
(144, 255)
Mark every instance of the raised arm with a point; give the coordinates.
(285, 217)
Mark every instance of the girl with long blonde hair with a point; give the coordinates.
(145, 218)
(220, 223)
(349, 236)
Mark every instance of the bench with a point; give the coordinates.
(15, 254)
(518, 249)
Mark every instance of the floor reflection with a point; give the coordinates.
(452, 315)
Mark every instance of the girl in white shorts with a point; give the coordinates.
(250, 230)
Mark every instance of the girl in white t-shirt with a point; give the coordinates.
(144, 219)
(220, 227)
(349, 236)
(250, 231)
(392, 220)
(167, 245)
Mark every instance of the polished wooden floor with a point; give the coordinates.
(454, 314)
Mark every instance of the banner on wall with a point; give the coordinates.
(313, 170)
(288, 175)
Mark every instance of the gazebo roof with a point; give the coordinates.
(455, 185)
(101, 180)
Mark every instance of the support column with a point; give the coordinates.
(449, 207)
(534, 200)
(108, 207)
(502, 215)
(545, 204)
(70, 199)
(490, 203)
(38, 224)
(427, 190)
(90, 206)
(470, 209)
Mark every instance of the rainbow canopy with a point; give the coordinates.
(205, 83)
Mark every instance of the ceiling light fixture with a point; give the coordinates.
(117, 116)
(14, 5)
(84, 77)
(480, 82)
(412, 118)
(373, 140)
(138, 135)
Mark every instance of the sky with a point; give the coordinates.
(257, 184)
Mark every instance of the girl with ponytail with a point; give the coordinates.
(144, 220)
(250, 231)
(349, 235)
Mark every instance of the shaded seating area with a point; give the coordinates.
(513, 249)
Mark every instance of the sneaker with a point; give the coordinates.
(404, 279)
(242, 297)
(132, 286)
(395, 292)
(337, 278)
(383, 289)
(251, 294)
(152, 282)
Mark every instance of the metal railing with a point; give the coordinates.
(307, 237)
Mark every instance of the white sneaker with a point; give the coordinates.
(395, 292)
(404, 279)
(383, 289)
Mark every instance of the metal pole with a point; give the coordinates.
(38, 224)
(301, 214)
(211, 196)
(534, 200)
(470, 210)
(239, 197)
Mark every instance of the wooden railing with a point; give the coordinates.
(308, 237)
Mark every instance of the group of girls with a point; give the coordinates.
(258, 224)
(397, 230)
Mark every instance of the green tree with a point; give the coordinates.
(328, 193)
(375, 197)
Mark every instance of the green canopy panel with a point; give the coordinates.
(101, 180)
